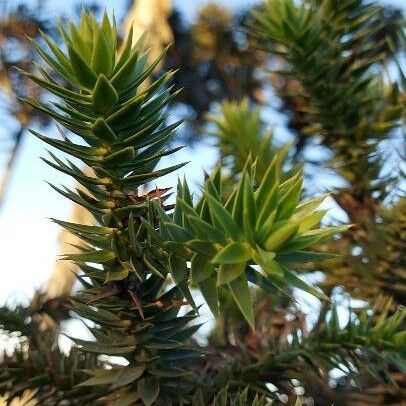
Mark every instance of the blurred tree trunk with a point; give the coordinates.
(149, 16)
(9, 167)
(63, 275)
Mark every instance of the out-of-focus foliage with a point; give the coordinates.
(36, 362)
(217, 62)
(239, 133)
(15, 50)
(335, 75)
(327, 49)
(383, 246)
(277, 356)
(226, 397)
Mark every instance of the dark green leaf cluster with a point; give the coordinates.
(374, 341)
(380, 267)
(226, 397)
(37, 364)
(123, 135)
(371, 341)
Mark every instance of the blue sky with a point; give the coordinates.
(28, 240)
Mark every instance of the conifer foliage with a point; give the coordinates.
(142, 255)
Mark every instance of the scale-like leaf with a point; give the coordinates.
(242, 296)
(148, 389)
(229, 272)
(280, 235)
(224, 218)
(102, 59)
(104, 95)
(291, 279)
(84, 73)
(209, 290)
(233, 253)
